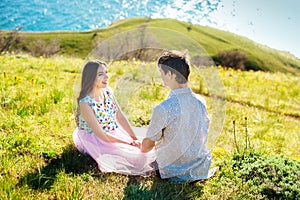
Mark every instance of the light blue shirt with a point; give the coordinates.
(180, 125)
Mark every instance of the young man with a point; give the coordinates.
(179, 125)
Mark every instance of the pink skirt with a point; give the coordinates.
(115, 157)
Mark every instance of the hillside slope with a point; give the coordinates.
(214, 41)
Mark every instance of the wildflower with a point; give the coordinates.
(32, 81)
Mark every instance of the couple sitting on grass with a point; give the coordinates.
(174, 146)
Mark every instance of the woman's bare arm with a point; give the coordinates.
(123, 121)
(89, 116)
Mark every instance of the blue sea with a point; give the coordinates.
(73, 15)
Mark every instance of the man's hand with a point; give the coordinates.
(147, 145)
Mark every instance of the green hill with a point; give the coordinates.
(214, 41)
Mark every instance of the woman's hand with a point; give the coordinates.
(134, 138)
(136, 143)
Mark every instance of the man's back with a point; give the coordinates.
(181, 150)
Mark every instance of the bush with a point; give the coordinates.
(43, 48)
(233, 59)
(276, 177)
(10, 40)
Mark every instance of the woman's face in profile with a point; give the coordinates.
(101, 80)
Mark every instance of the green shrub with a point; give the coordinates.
(276, 177)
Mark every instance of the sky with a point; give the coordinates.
(275, 23)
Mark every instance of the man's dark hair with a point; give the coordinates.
(176, 62)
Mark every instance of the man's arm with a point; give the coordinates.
(147, 145)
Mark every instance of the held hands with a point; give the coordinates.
(136, 143)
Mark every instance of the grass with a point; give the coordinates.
(39, 161)
(214, 41)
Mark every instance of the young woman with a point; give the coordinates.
(103, 132)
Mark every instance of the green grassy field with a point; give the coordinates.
(39, 161)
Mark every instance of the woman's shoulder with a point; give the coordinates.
(86, 99)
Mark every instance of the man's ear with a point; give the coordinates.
(169, 74)
(172, 75)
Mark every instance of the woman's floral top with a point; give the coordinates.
(105, 112)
